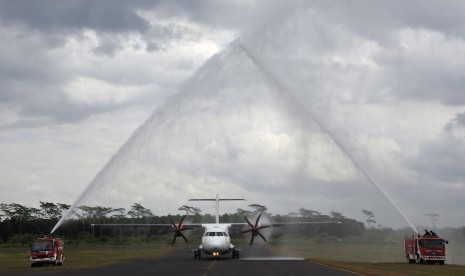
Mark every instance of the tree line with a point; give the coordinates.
(19, 220)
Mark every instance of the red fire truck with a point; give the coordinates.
(425, 249)
(47, 250)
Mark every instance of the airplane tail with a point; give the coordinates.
(217, 204)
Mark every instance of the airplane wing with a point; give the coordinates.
(254, 228)
(176, 228)
(187, 225)
(284, 224)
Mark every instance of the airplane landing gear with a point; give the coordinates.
(235, 254)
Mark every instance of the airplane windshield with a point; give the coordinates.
(217, 234)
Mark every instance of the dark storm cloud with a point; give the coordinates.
(123, 16)
(427, 77)
(227, 14)
(50, 15)
(460, 119)
(442, 159)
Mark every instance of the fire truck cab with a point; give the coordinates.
(47, 250)
(425, 249)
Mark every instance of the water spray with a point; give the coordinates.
(116, 159)
(130, 145)
(339, 144)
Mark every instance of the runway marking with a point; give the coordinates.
(209, 268)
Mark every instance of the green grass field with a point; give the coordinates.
(17, 259)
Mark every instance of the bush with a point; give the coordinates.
(21, 239)
(104, 239)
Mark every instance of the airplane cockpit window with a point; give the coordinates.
(217, 234)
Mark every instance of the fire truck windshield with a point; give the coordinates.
(436, 243)
(42, 246)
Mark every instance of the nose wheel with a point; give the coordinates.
(197, 254)
(235, 254)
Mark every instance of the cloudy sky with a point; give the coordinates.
(287, 104)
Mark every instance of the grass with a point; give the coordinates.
(17, 259)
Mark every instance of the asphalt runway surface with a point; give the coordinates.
(254, 261)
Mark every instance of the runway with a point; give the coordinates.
(254, 261)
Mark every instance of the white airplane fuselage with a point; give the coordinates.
(216, 240)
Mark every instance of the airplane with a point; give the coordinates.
(216, 240)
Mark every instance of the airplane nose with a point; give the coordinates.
(218, 244)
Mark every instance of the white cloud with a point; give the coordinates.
(89, 91)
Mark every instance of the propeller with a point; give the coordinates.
(255, 229)
(178, 229)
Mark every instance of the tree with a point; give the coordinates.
(63, 207)
(337, 215)
(258, 208)
(50, 210)
(370, 217)
(190, 210)
(243, 213)
(308, 213)
(293, 214)
(97, 212)
(120, 213)
(19, 213)
(139, 211)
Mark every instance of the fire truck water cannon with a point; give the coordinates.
(426, 248)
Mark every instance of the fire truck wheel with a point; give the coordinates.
(61, 260)
(441, 262)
